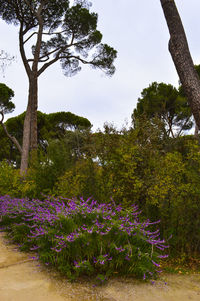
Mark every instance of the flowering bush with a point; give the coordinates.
(84, 237)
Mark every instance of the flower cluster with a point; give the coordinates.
(84, 236)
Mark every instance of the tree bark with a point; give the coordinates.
(30, 123)
(179, 49)
(26, 137)
(33, 121)
(30, 126)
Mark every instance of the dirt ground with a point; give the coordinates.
(22, 279)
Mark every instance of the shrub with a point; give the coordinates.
(83, 179)
(84, 237)
(12, 183)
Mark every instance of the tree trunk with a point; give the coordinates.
(33, 133)
(178, 47)
(30, 126)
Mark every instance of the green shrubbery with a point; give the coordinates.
(80, 237)
(11, 183)
(137, 166)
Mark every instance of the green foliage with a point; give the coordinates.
(45, 171)
(73, 43)
(166, 103)
(83, 179)
(6, 106)
(5, 148)
(12, 184)
(81, 237)
(175, 192)
(158, 173)
(61, 121)
(50, 126)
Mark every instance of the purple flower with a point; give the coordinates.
(90, 230)
(156, 264)
(34, 248)
(57, 250)
(120, 249)
(76, 264)
(163, 256)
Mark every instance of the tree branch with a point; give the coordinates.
(186, 121)
(22, 51)
(30, 37)
(46, 55)
(13, 139)
(49, 34)
(39, 38)
(45, 66)
(58, 56)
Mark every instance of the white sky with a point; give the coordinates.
(138, 31)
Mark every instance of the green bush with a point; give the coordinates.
(80, 237)
(11, 183)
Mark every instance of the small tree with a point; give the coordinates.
(59, 31)
(53, 126)
(165, 102)
(7, 106)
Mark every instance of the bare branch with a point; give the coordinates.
(49, 53)
(2, 115)
(80, 59)
(49, 34)
(186, 121)
(30, 37)
(22, 51)
(39, 37)
(45, 66)
(13, 139)
(58, 56)
(46, 55)
(72, 40)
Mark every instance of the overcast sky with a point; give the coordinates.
(138, 31)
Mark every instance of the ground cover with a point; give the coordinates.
(24, 279)
(84, 237)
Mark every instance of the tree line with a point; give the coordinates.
(65, 32)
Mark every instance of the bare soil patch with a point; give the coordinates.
(22, 279)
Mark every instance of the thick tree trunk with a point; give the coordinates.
(33, 133)
(30, 122)
(182, 59)
(30, 127)
(26, 142)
